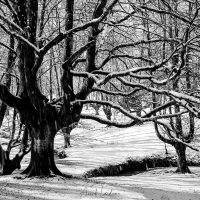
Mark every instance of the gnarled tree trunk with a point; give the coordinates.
(42, 128)
(182, 165)
(11, 165)
(42, 156)
(41, 118)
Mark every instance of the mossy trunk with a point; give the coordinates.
(182, 166)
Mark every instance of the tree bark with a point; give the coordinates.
(182, 166)
(7, 77)
(42, 155)
(107, 111)
(66, 132)
(11, 165)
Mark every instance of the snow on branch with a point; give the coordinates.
(109, 122)
(112, 75)
(20, 37)
(95, 89)
(110, 57)
(170, 93)
(175, 71)
(188, 106)
(12, 10)
(75, 55)
(111, 104)
(133, 71)
(144, 118)
(172, 140)
(13, 51)
(84, 74)
(12, 24)
(140, 42)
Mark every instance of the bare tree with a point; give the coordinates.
(41, 117)
(73, 42)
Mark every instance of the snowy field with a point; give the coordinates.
(95, 145)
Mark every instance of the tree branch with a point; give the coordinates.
(172, 139)
(12, 24)
(20, 37)
(174, 14)
(171, 93)
(160, 136)
(144, 118)
(75, 55)
(9, 98)
(13, 51)
(108, 122)
(63, 35)
(13, 11)
(115, 93)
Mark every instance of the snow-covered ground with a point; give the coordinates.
(95, 145)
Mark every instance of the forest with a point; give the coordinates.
(135, 58)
